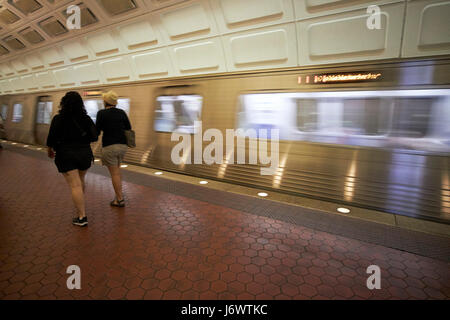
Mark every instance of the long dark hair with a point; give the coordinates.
(72, 105)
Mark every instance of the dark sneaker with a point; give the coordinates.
(117, 203)
(80, 222)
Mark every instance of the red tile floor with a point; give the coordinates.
(164, 246)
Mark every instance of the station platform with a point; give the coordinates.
(176, 239)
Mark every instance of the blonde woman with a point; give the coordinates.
(113, 122)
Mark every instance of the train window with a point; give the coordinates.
(412, 117)
(94, 106)
(17, 112)
(266, 112)
(366, 116)
(307, 115)
(344, 116)
(405, 119)
(44, 111)
(4, 111)
(178, 113)
(124, 104)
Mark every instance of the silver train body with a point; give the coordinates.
(374, 135)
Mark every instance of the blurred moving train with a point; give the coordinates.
(374, 135)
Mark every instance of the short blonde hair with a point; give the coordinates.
(110, 98)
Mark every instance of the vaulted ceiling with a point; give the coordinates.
(31, 24)
(123, 41)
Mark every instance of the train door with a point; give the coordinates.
(3, 115)
(4, 111)
(44, 109)
(178, 109)
(6, 114)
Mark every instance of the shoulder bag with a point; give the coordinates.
(131, 138)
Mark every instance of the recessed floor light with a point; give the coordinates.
(97, 160)
(26, 146)
(158, 173)
(343, 210)
(13, 143)
(262, 194)
(124, 166)
(203, 182)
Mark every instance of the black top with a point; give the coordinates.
(113, 122)
(67, 131)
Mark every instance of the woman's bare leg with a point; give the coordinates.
(82, 174)
(116, 178)
(73, 180)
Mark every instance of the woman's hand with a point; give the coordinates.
(50, 153)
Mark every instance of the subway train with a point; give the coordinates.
(374, 134)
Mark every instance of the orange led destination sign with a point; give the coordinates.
(92, 93)
(341, 77)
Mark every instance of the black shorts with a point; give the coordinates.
(74, 158)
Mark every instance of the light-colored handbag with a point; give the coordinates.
(131, 138)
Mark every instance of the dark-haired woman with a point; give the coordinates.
(71, 133)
